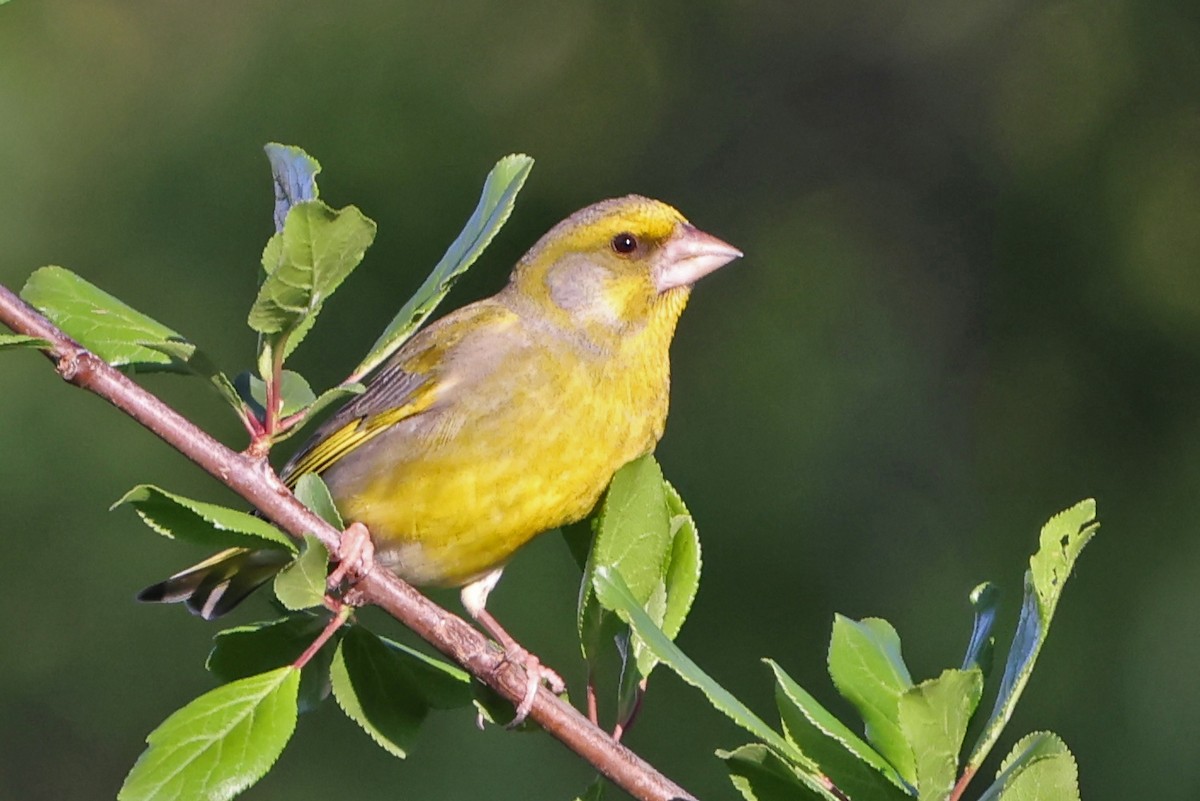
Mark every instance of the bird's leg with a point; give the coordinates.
(474, 600)
(355, 554)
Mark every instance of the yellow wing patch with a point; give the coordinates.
(345, 439)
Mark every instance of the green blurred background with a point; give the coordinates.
(970, 298)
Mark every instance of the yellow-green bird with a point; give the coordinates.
(505, 418)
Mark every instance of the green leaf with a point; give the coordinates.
(594, 791)
(760, 774)
(312, 491)
(377, 689)
(981, 648)
(672, 598)
(249, 650)
(302, 416)
(683, 565)
(829, 747)
(494, 207)
(934, 717)
(247, 385)
(578, 537)
(294, 392)
(219, 744)
(293, 389)
(441, 684)
(317, 249)
(204, 523)
(108, 327)
(1039, 768)
(301, 585)
(1061, 541)
(868, 670)
(12, 341)
(191, 359)
(340, 392)
(295, 177)
(633, 537)
(614, 594)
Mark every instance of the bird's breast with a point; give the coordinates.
(453, 492)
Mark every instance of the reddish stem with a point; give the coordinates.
(592, 707)
(625, 725)
(335, 623)
(960, 786)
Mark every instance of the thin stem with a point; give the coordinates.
(625, 725)
(335, 623)
(253, 479)
(960, 786)
(592, 706)
(274, 398)
(254, 426)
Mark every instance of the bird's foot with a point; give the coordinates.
(355, 554)
(536, 674)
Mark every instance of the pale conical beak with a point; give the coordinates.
(689, 255)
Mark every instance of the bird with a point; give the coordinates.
(503, 419)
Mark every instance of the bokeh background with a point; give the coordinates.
(971, 297)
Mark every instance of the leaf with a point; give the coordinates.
(633, 537)
(191, 359)
(578, 537)
(594, 791)
(683, 565)
(441, 684)
(248, 650)
(312, 491)
(106, 326)
(293, 390)
(981, 648)
(301, 584)
(829, 747)
(377, 690)
(295, 176)
(317, 249)
(614, 594)
(13, 341)
(1039, 768)
(934, 717)
(219, 744)
(1062, 539)
(672, 598)
(203, 523)
(760, 774)
(868, 670)
(244, 383)
(494, 207)
(323, 400)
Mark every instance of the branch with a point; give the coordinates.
(253, 479)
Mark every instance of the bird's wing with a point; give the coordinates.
(406, 387)
(400, 395)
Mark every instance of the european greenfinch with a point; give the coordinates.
(505, 418)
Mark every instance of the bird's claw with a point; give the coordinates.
(356, 556)
(536, 674)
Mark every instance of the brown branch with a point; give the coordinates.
(254, 480)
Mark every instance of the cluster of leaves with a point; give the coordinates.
(639, 553)
(914, 732)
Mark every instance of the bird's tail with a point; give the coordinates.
(219, 583)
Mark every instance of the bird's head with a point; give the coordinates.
(619, 264)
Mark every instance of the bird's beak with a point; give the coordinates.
(689, 255)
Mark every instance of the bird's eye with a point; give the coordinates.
(624, 243)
